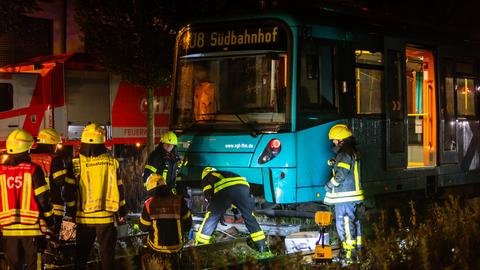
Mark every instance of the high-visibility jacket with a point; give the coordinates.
(164, 164)
(166, 218)
(54, 169)
(93, 189)
(216, 181)
(347, 186)
(25, 200)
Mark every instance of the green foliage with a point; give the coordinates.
(12, 11)
(447, 238)
(131, 38)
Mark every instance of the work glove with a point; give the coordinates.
(121, 220)
(329, 186)
(331, 162)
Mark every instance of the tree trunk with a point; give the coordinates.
(150, 120)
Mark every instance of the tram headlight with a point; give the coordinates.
(272, 150)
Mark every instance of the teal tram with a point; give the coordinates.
(257, 95)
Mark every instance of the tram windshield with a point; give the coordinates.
(231, 91)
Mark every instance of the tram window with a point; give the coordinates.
(316, 90)
(450, 137)
(464, 88)
(369, 78)
(6, 97)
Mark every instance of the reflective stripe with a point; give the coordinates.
(260, 235)
(70, 181)
(155, 232)
(48, 214)
(151, 168)
(58, 209)
(21, 232)
(344, 165)
(359, 240)
(26, 191)
(165, 249)
(59, 173)
(202, 239)
(122, 203)
(233, 183)
(119, 182)
(332, 198)
(207, 188)
(357, 179)
(165, 174)
(3, 186)
(346, 227)
(145, 222)
(41, 189)
(179, 232)
(39, 261)
(335, 183)
(187, 215)
(71, 204)
(227, 182)
(100, 217)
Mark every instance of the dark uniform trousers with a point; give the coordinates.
(107, 237)
(24, 249)
(238, 195)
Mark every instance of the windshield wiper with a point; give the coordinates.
(250, 126)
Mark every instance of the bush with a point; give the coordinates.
(447, 238)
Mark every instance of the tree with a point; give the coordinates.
(13, 11)
(133, 38)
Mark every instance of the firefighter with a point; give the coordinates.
(95, 197)
(26, 205)
(222, 189)
(45, 155)
(344, 189)
(164, 160)
(166, 218)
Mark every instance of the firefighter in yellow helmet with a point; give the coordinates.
(45, 155)
(223, 189)
(95, 197)
(164, 160)
(344, 190)
(26, 208)
(166, 218)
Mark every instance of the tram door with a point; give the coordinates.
(421, 107)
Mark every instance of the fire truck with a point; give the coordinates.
(68, 91)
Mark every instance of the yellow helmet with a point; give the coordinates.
(93, 134)
(154, 180)
(339, 132)
(169, 138)
(207, 170)
(19, 141)
(48, 136)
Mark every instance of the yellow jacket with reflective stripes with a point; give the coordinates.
(94, 193)
(98, 184)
